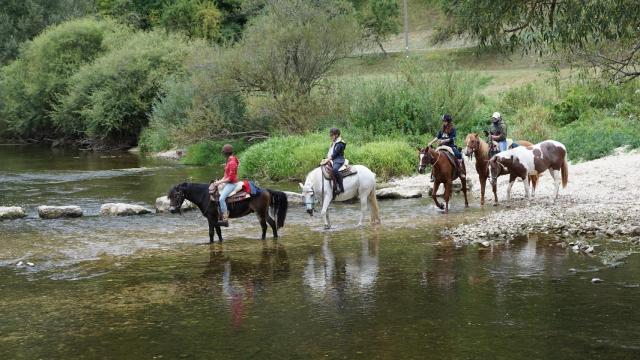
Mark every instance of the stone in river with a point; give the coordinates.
(162, 205)
(399, 192)
(596, 280)
(122, 209)
(11, 212)
(55, 212)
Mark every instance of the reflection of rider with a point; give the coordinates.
(229, 180)
(336, 155)
(447, 137)
(498, 131)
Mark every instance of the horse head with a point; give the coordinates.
(472, 143)
(496, 168)
(176, 197)
(424, 158)
(308, 196)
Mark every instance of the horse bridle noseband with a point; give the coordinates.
(179, 199)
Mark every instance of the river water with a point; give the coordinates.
(150, 286)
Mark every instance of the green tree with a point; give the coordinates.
(21, 20)
(602, 33)
(30, 86)
(196, 18)
(382, 20)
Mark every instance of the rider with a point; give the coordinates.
(229, 180)
(336, 155)
(447, 137)
(498, 131)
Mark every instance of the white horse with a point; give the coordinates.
(361, 185)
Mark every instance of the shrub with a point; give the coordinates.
(517, 98)
(532, 124)
(410, 105)
(595, 135)
(208, 152)
(110, 98)
(292, 157)
(29, 86)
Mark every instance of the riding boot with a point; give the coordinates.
(460, 168)
(340, 186)
(224, 220)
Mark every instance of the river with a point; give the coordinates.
(151, 287)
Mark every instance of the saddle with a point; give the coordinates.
(238, 194)
(345, 170)
(452, 158)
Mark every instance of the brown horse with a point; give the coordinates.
(480, 149)
(443, 172)
(276, 201)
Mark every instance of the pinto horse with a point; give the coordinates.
(443, 173)
(480, 149)
(524, 161)
(276, 201)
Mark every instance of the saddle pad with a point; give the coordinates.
(345, 171)
(238, 196)
(445, 148)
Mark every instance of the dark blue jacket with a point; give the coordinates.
(452, 137)
(338, 152)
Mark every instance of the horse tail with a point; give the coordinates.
(279, 205)
(565, 173)
(375, 210)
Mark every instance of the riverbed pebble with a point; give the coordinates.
(56, 212)
(11, 212)
(121, 209)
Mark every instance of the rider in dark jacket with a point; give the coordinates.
(447, 137)
(336, 155)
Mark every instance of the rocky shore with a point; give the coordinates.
(601, 200)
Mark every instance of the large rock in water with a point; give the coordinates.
(399, 192)
(294, 198)
(122, 209)
(162, 205)
(11, 212)
(55, 212)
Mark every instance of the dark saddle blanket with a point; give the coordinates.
(346, 170)
(244, 191)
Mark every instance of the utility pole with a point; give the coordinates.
(406, 28)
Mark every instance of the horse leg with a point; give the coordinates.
(436, 186)
(273, 225)
(364, 200)
(556, 181)
(494, 187)
(263, 222)
(464, 191)
(212, 228)
(483, 183)
(512, 179)
(534, 183)
(447, 195)
(219, 232)
(525, 181)
(325, 210)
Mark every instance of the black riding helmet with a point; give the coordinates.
(227, 149)
(447, 118)
(334, 131)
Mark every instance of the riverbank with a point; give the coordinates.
(601, 200)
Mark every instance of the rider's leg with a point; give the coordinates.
(336, 173)
(502, 145)
(459, 164)
(226, 190)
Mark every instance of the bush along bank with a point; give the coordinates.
(292, 157)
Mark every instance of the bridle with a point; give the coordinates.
(179, 197)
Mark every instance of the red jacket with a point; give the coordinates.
(231, 169)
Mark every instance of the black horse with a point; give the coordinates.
(260, 204)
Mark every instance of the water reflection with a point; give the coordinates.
(237, 281)
(328, 275)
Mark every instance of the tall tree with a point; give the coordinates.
(381, 20)
(603, 33)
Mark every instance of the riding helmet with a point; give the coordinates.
(496, 116)
(334, 131)
(227, 149)
(447, 118)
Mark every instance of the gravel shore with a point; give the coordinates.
(602, 199)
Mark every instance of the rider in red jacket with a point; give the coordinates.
(230, 179)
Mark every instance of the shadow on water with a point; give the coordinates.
(149, 287)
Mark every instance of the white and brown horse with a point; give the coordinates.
(477, 147)
(524, 161)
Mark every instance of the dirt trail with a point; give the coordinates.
(601, 199)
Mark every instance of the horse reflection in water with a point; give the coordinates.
(330, 275)
(240, 281)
